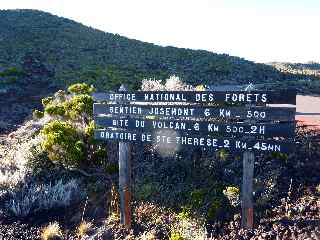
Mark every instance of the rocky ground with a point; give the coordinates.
(295, 219)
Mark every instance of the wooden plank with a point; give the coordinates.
(172, 138)
(200, 127)
(180, 111)
(242, 97)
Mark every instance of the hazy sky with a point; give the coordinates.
(258, 30)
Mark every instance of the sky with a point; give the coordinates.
(257, 30)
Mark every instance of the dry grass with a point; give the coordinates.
(113, 219)
(15, 152)
(173, 83)
(51, 232)
(37, 197)
(84, 229)
(148, 236)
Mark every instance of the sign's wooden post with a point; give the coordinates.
(125, 180)
(247, 183)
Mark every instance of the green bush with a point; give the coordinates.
(89, 131)
(60, 96)
(78, 105)
(46, 101)
(67, 142)
(39, 160)
(145, 190)
(233, 195)
(186, 213)
(197, 197)
(234, 191)
(37, 114)
(12, 71)
(215, 207)
(55, 109)
(176, 236)
(63, 143)
(112, 168)
(223, 154)
(279, 156)
(81, 88)
(75, 108)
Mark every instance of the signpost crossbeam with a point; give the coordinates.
(242, 97)
(170, 137)
(286, 129)
(182, 111)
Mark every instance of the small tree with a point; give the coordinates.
(81, 88)
(63, 143)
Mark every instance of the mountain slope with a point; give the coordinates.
(37, 46)
(41, 43)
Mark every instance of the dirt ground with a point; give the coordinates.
(310, 107)
(307, 110)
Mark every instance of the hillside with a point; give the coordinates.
(305, 69)
(42, 46)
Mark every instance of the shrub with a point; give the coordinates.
(46, 101)
(145, 190)
(152, 85)
(112, 168)
(174, 83)
(37, 114)
(197, 197)
(60, 96)
(81, 88)
(54, 109)
(147, 214)
(223, 154)
(74, 108)
(233, 195)
(318, 188)
(78, 105)
(200, 88)
(38, 159)
(176, 236)
(185, 213)
(84, 229)
(36, 197)
(12, 71)
(214, 208)
(280, 156)
(63, 143)
(89, 131)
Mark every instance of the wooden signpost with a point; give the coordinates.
(238, 121)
